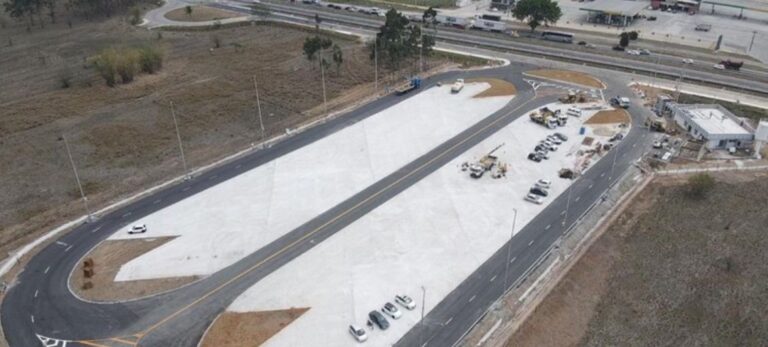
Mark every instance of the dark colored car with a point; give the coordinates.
(582, 43)
(618, 48)
(377, 318)
(539, 191)
(561, 136)
(535, 157)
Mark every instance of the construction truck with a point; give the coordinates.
(544, 119)
(732, 65)
(486, 163)
(573, 98)
(414, 83)
(656, 124)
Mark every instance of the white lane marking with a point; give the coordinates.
(577, 199)
(602, 174)
(68, 248)
(548, 226)
(46, 270)
(562, 213)
(126, 214)
(634, 145)
(185, 189)
(472, 298)
(37, 291)
(238, 166)
(449, 321)
(493, 278)
(590, 186)
(513, 260)
(61, 243)
(156, 201)
(530, 243)
(32, 318)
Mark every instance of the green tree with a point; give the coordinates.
(135, 15)
(430, 16)
(338, 57)
(398, 40)
(624, 40)
(188, 10)
(699, 185)
(537, 12)
(315, 44)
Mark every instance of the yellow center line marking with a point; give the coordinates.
(91, 343)
(130, 343)
(316, 230)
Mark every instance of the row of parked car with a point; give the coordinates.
(550, 144)
(366, 10)
(376, 318)
(539, 191)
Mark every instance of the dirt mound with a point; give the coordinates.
(233, 329)
(609, 117)
(566, 76)
(107, 258)
(200, 14)
(498, 87)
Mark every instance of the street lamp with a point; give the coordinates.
(181, 148)
(509, 252)
(89, 217)
(421, 322)
(258, 106)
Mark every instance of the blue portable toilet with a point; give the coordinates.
(582, 131)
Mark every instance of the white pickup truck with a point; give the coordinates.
(457, 86)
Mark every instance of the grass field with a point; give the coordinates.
(671, 271)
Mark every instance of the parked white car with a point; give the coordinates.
(358, 333)
(542, 183)
(391, 310)
(138, 229)
(405, 301)
(687, 61)
(536, 199)
(457, 86)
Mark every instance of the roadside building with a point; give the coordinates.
(715, 125)
(690, 6)
(503, 5)
(663, 102)
(761, 137)
(618, 13)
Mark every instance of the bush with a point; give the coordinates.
(135, 15)
(633, 35)
(127, 64)
(106, 63)
(699, 185)
(150, 59)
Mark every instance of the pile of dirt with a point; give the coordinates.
(609, 117)
(498, 87)
(105, 261)
(200, 14)
(663, 273)
(232, 329)
(573, 77)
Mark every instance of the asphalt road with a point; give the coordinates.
(41, 303)
(665, 67)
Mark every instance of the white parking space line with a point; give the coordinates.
(449, 321)
(577, 199)
(590, 186)
(46, 270)
(562, 213)
(472, 298)
(547, 227)
(32, 318)
(602, 174)
(530, 243)
(513, 260)
(37, 291)
(493, 278)
(68, 248)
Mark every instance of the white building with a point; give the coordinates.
(715, 125)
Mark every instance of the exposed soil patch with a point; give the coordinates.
(609, 117)
(233, 329)
(671, 270)
(200, 14)
(566, 76)
(107, 259)
(498, 87)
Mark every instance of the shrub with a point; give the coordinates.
(150, 59)
(188, 10)
(699, 185)
(633, 35)
(135, 15)
(127, 64)
(106, 63)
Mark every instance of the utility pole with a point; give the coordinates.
(376, 64)
(88, 217)
(754, 33)
(181, 148)
(322, 75)
(509, 254)
(258, 106)
(421, 48)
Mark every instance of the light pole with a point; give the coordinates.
(421, 48)
(322, 75)
(77, 178)
(375, 64)
(421, 322)
(258, 106)
(181, 148)
(509, 253)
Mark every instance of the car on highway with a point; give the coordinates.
(351, 8)
(539, 191)
(335, 6)
(377, 318)
(633, 52)
(405, 301)
(536, 199)
(535, 157)
(391, 310)
(719, 66)
(542, 183)
(138, 229)
(618, 48)
(645, 52)
(358, 333)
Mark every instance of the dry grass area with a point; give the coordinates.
(498, 87)
(670, 271)
(107, 258)
(232, 329)
(200, 14)
(123, 138)
(566, 76)
(614, 116)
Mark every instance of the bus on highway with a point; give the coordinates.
(557, 36)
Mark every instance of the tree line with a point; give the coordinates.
(36, 10)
